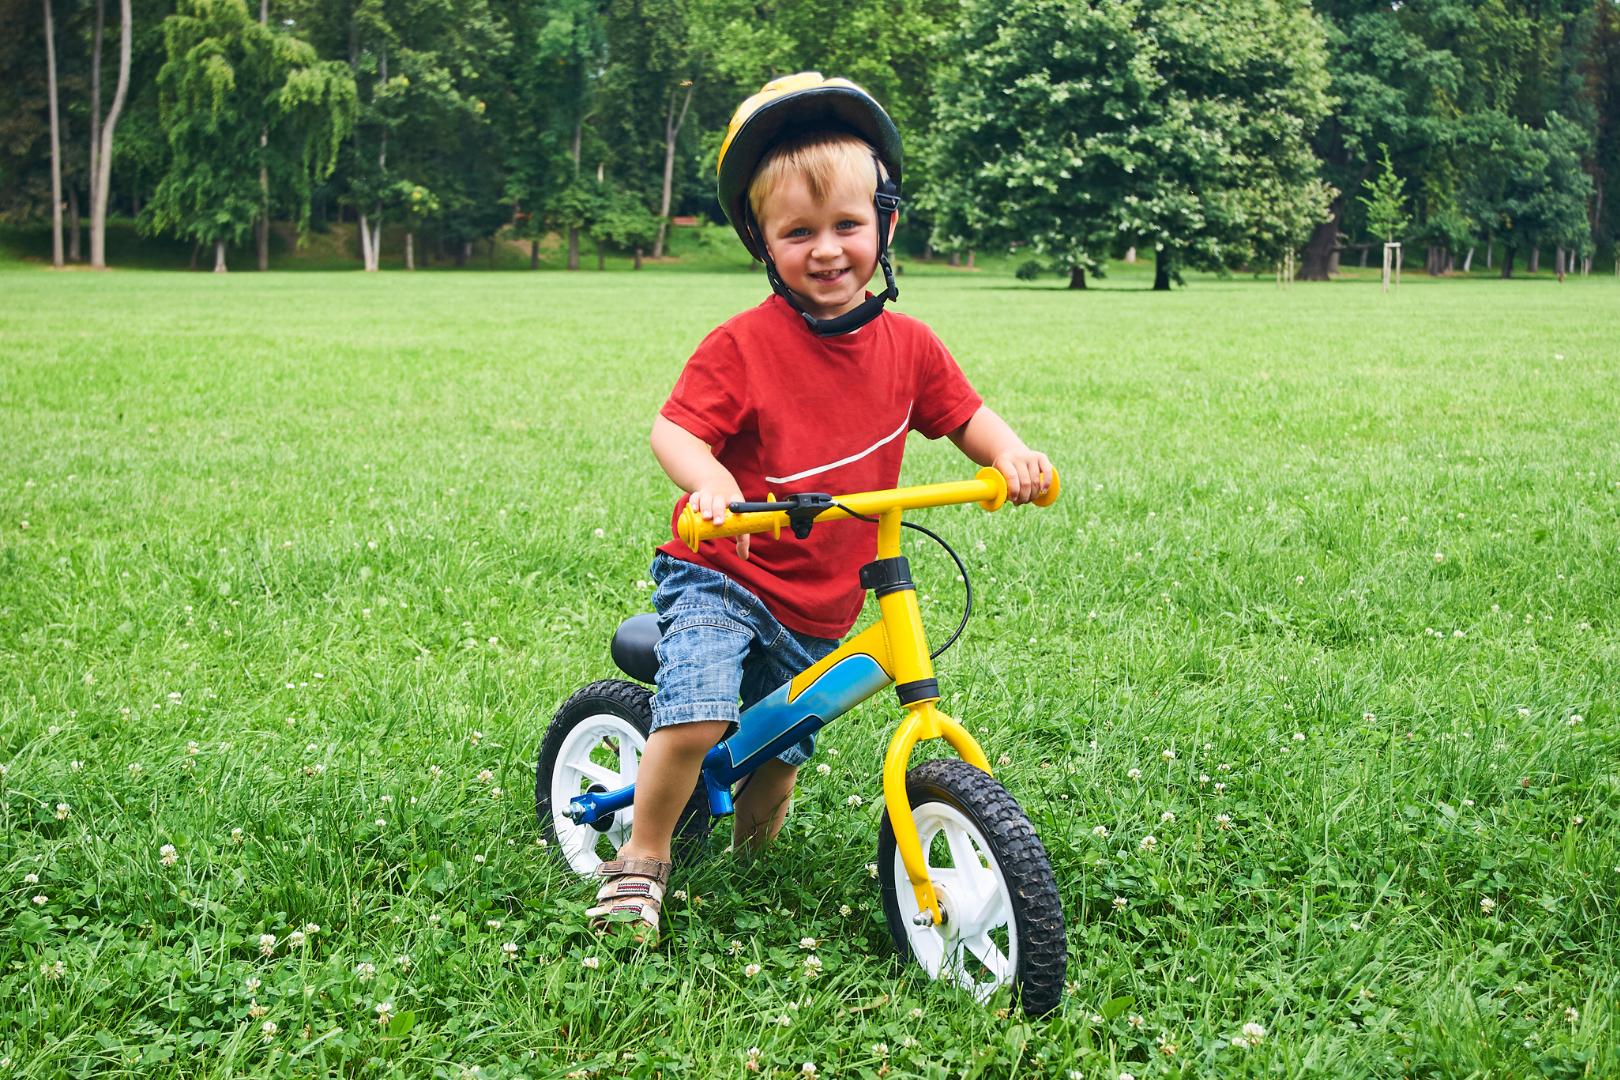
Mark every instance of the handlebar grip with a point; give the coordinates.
(1051, 494)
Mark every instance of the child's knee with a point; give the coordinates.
(695, 738)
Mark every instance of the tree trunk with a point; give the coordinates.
(573, 230)
(73, 223)
(1320, 259)
(1535, 259)
(98, 211)
(534, 254)
(970, 260)
(1468, 260)
(95, 93)
(1077, 277)
(56, 139)
(466, 253)
(491, 243)
(365, 241)
(928, 251)
(1130, 254)
(262, 226)
(1507, 262)
(637, 265)
(1558, 260)
(672, 131)
(1161, 272)
(196, 253)
(219, 257)
(1364, 249)
(601, 256)
(1490, 252)
(410, 250)
(956, 258)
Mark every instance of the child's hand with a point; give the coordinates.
(712, 504)
(1028, 473)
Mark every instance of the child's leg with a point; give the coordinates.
(762, 806)
(668, 773)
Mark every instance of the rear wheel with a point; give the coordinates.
(1003, 923)
(595, 743)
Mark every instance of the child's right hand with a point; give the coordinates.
(712, 504)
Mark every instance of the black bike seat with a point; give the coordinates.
(634, 645)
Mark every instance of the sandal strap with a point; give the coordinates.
(631, 885)
(656, 869)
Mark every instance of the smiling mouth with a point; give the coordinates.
(825, 276)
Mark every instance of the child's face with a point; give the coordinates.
(825, 252)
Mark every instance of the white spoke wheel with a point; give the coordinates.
(595, 743)
(1003, 922)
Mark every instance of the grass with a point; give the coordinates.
(306, 553)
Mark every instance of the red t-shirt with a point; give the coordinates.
(786, 411)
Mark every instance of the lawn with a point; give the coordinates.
(294, 569)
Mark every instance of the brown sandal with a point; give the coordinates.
(632, 894)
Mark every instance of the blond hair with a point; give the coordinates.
(826, 160)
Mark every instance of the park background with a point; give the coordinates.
(1306, 681)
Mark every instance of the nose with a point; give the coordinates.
(827, 246)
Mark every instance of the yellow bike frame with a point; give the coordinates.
(896, 641)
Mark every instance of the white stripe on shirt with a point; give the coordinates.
(896, 433)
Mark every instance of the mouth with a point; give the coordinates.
(827, 277)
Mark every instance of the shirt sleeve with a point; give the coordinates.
(710, 398)
(943, 400)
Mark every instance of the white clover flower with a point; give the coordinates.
(510, 948)
(1439, 556)
(812, 965)
(385, 1012)
(492, 924)
(807, 943)
(52, 969)
(62, 811)
(475, 737)
(823, 769)
(40, 900)
(252, 983)
(269, 1029)
(255, 1010)
(853, 801)
(296, 939)
(1167, 818)
(237, 836)
(1253, 1034)
(590, 962)
(1135, 1020)
(1119, 903)
(1223, 821)
(30, 879)
(1148, 843)
(167, 855)
(1100, 832)
(435, 771)
(916, 1014)
(1220, 786)
(267, 944)
(485, 776)
(1575, 720)
(364, 971)
(808, 1068)
(1572, 1014)
(871, 869)
(1487, 905)
(312, 928)
(1168, 755)
(135, 768)
(495, 792)
(1524, 713)
(750, 970)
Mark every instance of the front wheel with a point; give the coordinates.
(1003, 923)
(595, 743)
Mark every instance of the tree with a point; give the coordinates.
(56, 140)
(1386, 202)
(1074, 129)
(104, 153)
(227, 80)
(621, 220)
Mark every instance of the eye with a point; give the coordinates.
(800, 231)
(848, 224)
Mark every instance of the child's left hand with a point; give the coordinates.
(1028, 473)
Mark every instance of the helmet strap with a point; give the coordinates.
(886, 201)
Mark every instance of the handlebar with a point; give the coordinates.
(988, 488)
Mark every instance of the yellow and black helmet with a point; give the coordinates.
(788, 106)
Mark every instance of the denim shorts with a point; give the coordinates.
(719, 645)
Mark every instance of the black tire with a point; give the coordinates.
(625, 710)
(1036, 946)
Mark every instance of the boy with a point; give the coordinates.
(813, 390)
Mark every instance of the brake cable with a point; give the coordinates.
(967, 585)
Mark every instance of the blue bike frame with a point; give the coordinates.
(796, 709)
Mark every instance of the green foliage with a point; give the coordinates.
(238, 97)
(1386, 202)
(1080, 129)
